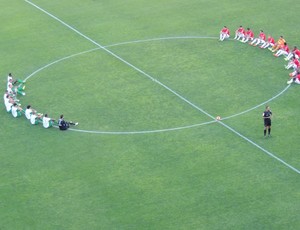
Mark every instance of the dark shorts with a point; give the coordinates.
(64, 126)
(267, 122)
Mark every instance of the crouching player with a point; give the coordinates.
(224, 33)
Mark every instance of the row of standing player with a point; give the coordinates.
(13, 106)
(278, 48)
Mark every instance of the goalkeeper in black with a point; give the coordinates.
(267, 116)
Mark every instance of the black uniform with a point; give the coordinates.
(267, 117)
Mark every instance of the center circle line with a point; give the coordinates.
(156, 130)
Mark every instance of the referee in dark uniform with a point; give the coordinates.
(267, 115)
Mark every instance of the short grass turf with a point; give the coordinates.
(205, 177)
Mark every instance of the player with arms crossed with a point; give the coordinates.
(267, 115)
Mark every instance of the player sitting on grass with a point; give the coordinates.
(28, 111)
(16, 110)
(249, 36)
(269, 43)
(224, 33)
(64, 125)
(9, 97)
(8, 102)
(35, 117)
(260, 40)
(295, 76)
(15, 89)
(295, 52)
(293, 63)
(239, 33)
(283, 50)
(278, 45)
(47, 121)
(295, 79)
(14, 81)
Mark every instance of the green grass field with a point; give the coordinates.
(145, 80)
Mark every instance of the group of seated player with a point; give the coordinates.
(13, 106)
(278, 48)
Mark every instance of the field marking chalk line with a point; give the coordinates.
(166, 87)
(155, 130)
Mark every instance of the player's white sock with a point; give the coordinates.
(288, 66)
(289, 56)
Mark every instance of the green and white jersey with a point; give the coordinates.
(33, 119)
(8, 106)
(15, 112)
(46, 122)
(28, 113)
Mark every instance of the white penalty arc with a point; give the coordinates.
(155, 130)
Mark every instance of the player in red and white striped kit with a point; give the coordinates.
(268, 43)
(260, 39)
(224, 33)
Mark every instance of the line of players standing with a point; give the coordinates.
(279, 48)
(13, 106)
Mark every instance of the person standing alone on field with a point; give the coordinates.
(267, 116)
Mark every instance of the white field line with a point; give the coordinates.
(261, 148)
(166, 87)
(159, 39)
(121, 59)
(145, 131)
(59, 60)
(261, 104)
(157, 130)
